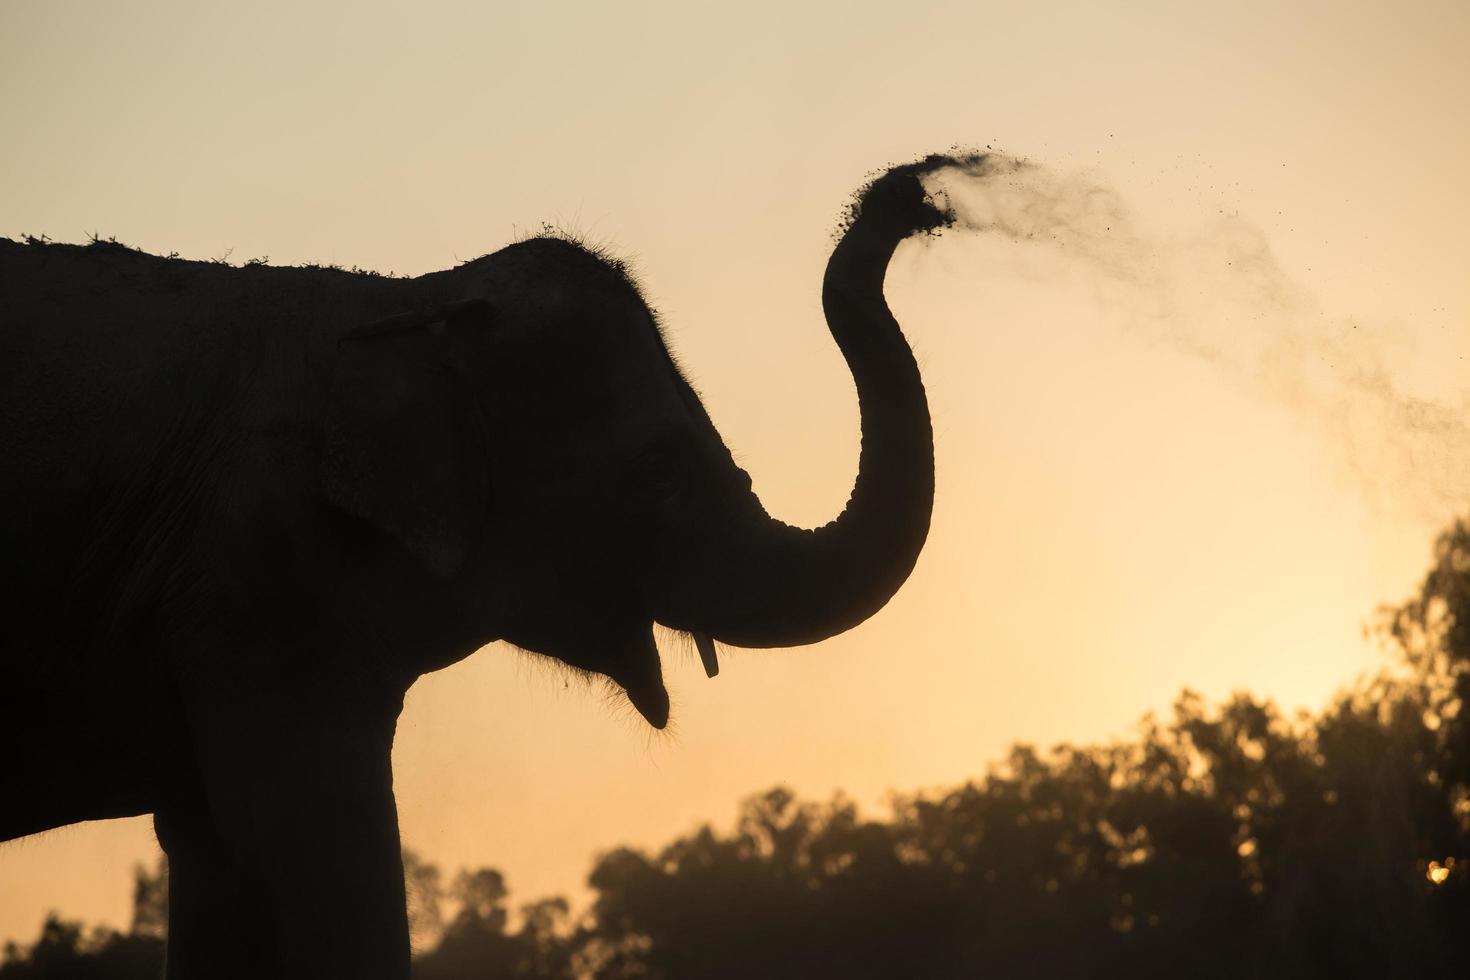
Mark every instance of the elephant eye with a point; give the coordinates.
(658, 476)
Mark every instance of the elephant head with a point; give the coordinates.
(533, 443)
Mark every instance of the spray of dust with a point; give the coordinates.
(1222, 297)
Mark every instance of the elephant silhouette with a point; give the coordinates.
(245, 508)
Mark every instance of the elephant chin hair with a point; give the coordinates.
(613, 693)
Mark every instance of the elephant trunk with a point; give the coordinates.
(779, 585)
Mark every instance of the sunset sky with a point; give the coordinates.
(1191, 436)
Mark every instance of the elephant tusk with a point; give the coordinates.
(707, 653)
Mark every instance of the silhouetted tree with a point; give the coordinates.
(150, 900)
(477, 942)
(424, 886)
(1231, 842)
(64, 951)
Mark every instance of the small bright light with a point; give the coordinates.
(1437, 872)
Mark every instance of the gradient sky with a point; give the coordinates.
(1204, 465)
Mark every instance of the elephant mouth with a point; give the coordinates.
(640, 671)
(652, 702)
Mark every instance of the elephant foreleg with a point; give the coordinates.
(302, 794)
(329, 832)
(217, 926)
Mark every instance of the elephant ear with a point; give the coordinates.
(404, 443)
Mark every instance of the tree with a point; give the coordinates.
(477, 942)
(1221, 842)
(64, 951)
(424, 888)
(150, 900)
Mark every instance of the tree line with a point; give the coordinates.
(1225, 840)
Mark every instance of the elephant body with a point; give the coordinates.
(162, 439)
(163, 436)
(246, 507)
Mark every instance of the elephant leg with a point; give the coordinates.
(215, 924)
(330, 845)
(302, 792)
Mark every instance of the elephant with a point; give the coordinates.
(245, 507)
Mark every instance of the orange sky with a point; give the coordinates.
(1171, 471)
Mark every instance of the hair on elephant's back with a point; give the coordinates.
(104, 282)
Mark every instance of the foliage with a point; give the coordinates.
(1231, 842)
(1220, 842)
(64, 952)
(477, 942)
(150, 900)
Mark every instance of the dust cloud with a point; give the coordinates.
(1221, 296)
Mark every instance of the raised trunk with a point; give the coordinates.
(777, 585)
